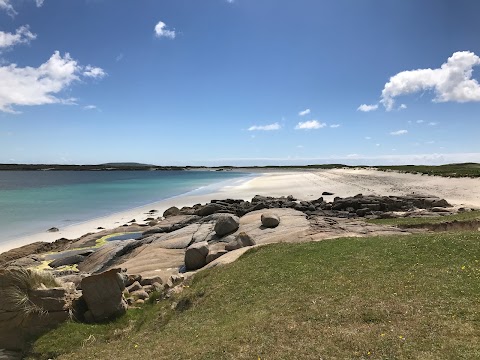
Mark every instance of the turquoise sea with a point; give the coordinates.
(34, 201)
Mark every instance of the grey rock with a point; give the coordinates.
(69, 260)
(151, 280)
(134, 287)
(172, 211)
(196, 256)
(140, 294)
(270, 220)
(103, 294)
(226, 224)
(241, 240)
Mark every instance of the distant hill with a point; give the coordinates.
(127, 164)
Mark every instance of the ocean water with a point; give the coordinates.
(34, 201)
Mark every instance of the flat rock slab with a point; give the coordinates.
(104, 256)
(293, 226)
(153, 260)
(178, 239)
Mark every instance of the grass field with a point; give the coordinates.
(419, 221)
(449, 170)
(401, 297)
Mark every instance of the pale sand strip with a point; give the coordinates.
(305, 185)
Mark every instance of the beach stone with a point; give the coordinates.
(139, 302)
(270, 220)
(129, 279)
(140, 294)
(226, 224)
(103, 294)
(134, 287)
(196, 256)
(209, 209)
(326, 193)
(69, 260)
(53, 229)
(441, 203)
(172, 211)
(241, 240)
(215, 255)
(151, 280)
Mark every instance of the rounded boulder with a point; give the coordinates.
(270, 220)
(196, 256)
(226, 224)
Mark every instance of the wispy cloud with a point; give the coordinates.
(334, 126)
(432, 123)
(304, 112)
(119, 57)
(399, 132)
(39, 2)
(7, 6)
(367, 108)
(94, 72)
(310, 125)
(420, 121)
(89, 107)
(161, 30)
(450, 82)
(270, 127)
(22, 35)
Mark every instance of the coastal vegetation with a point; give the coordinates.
(448, 170)
(395, 297)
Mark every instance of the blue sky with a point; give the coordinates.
(242, 82)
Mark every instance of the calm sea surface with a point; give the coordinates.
(34, 201)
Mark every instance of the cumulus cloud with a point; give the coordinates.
(367, 108)
(39, 2)
(7, 6)
(399, 132)
(451, 82)
(94, 72)
(270, 127)
(161, 30)
(304, 112)
(37, 86)
(22, 35)
(309, 125)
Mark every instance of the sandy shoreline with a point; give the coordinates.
(305, 185)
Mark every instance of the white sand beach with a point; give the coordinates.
(304, 185)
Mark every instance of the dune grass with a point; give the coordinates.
(448, 170)
(399, 297)
(419, 221)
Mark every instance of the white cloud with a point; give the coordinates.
(304, 112)
(430, 142)
(22, 35)
(39, 2)
(402, 107)
(119, 57)
(399, 132)
(368, 138)
(377, 144)
(230, 1)
(308, 125)
(335, 126)
(270, 127)
(37, 86)
(367, 108)
(5, 5)
(420, 121)
(451, 82)
(162, 31)
(90, 107)
(94, 72)
(300, 146)
(432, 123)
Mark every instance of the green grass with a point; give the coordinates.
(399, 297)
(418, 221)
(449, 170)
